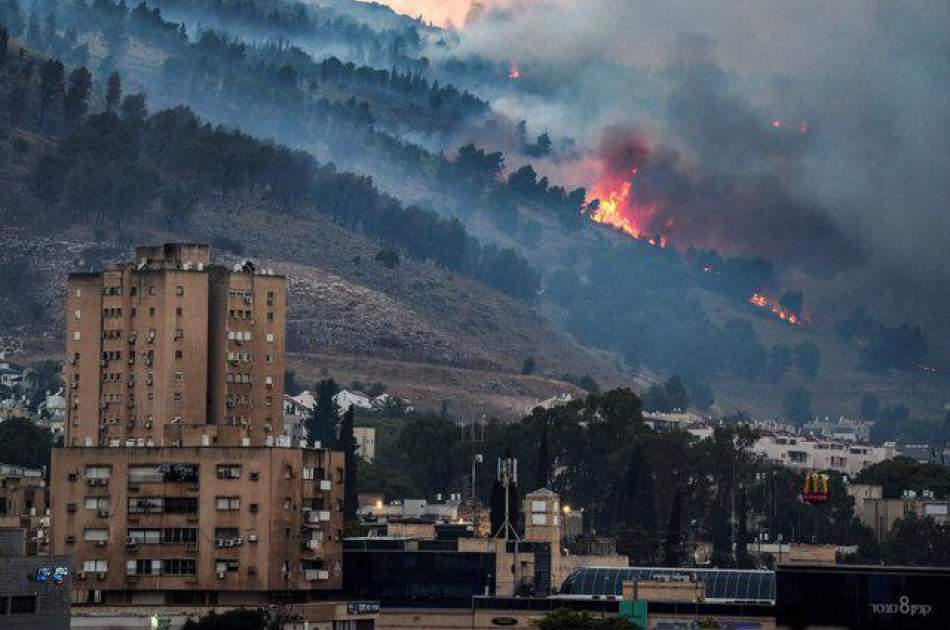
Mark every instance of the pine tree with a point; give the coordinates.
(347, 444)
(77, 96)
(325, 417)
(52, 87)
(673, 550)
(4, 43)
(113, 91)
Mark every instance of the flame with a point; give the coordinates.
(514, 74)
(619, 208)
(801, 127)
(761, 301)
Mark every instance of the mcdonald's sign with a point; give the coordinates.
(816, 488)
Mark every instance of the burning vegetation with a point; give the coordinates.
(761, 301)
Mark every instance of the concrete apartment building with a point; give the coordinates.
(809, 452)
(34, 590)
(879, 514)
(176, 484)
(24, 498)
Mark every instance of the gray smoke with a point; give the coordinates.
(859, 90)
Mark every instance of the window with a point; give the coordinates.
(146, 505)
(151, 311)
(229, 471)
(151, 291)
(143, 567)
(177, 397)
(270, 298)
(145, 536)
(179, 290)
(179, 354)
(22, 604)
(223, 566)
(179, 567)
(178, 312)
(97, 503)
(179, 376)
(133, 290)
(77, 314)
(175, 535)
(539, 519)
(179, 333)
(181, 505)
(98, 472)
(76, 336)
(78, 292)
(95, 535)
(95, 566)
(270, 316)
(270, 337)
(228, 503)
(133, 312)
(287, 504)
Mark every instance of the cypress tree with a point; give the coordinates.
(673, 550)
(347, 444)
(325, 417)
(113, 91)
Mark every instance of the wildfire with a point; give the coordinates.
(760, 301)
(619, 208)
(802, 127)
(514, 74)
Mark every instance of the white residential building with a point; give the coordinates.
(808, 452)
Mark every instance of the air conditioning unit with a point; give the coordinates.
(102, 363)
(75, 385)
(101, 576)
(252, 538)
(92, 482)
(219, 542)
(130, 542)
(238, 542)
(101, 543)
(220, 575)
(103, 513)
(326, 485)
(323, 515)
(70, 540)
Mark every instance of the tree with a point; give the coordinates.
(52, 87)
(325, 415)
(916, 541)
(529, 366)
(676, 392)
(113, 91)
(347, 443)
(673, 547)
(133, 108)
(76, 101)
(22, 443)
(797, 406)
(238, 619)
(4, 43)
(562, 619)
(701, 395)
(388, 258)
(807, 359)
(743, 561)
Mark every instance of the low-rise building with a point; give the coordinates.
(34, 590)
(24, 499)
(809, 452)
(879, 514)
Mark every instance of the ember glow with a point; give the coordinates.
(801, 127)
(514, 74)
(619, 207)
(761, 301)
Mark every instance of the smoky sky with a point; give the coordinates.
(863, 189)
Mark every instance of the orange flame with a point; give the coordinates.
(760, 301)
(514, 74)
(619, 208)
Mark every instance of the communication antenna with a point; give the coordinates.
(507, 476)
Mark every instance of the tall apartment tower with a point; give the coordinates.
(175, 485)
(170, 350)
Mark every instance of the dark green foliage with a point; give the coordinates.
(325, 418)
(890, 423)
(903, 473)
(388, 258)
(238, 619)
(797, 406)
(562, 619)
(673, 555)
(291, 386)
(4, 43)
(529, 366)
(76, 101)
(543, 476)
(22, 443)
(701, 395)
(52, 88)
(113, 91)
(347, 443)
(670, 396)
(916, 541)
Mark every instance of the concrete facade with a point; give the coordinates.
(170, 349)
(209, 524)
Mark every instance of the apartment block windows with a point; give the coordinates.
(100, 504)
(95, 535)
(270, 337)
(98, 472)
(179, 312)
(179, 290)
(179, 535)
(144, 536)
(270, 298)
(143, 567)
(228, 503)
(77, 314)
(229, 471)
(95, 566)
(179, 567)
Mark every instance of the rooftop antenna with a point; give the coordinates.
(507, 476)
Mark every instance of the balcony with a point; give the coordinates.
(316, 575)
(318, 516)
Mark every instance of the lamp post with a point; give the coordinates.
(477, 459)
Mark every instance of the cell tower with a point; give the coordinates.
(507, 476)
